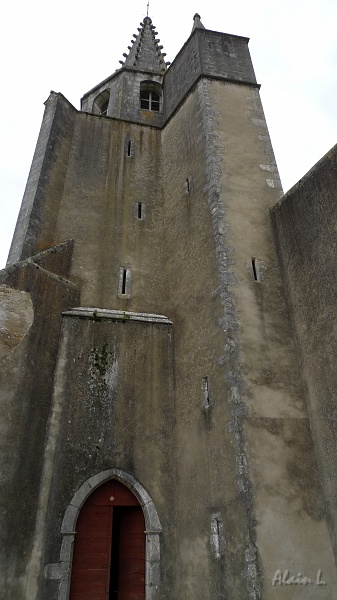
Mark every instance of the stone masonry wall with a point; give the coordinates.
(112, 407)
(305, 223)
(124, 102)
(205, 488)
(209, 54)
(26, 383)
(40, 205)
(99, 209)
(251, 440)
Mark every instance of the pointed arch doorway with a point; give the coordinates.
(62, 569)
(109, 547)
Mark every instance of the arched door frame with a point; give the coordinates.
(62, 569)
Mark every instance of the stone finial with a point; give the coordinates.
(197, 23)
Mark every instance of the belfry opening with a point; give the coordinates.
(109, 547)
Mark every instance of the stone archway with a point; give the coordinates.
(62, 569)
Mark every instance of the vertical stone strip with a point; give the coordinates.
(23, 222)
(34, 566)
(257, 117)
(43, 193)
(216, 198)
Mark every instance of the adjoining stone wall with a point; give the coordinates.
(305, 223)
(26, 384)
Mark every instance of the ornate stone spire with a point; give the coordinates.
(145, 54)
(197, 23)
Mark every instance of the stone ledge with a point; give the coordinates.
(115, 315)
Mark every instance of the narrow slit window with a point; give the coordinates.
(139, 211)
(254, 267)
(124, 283)
(217, 535)
(206, 390)
(206, 396)
(129, 148)
(188, 185)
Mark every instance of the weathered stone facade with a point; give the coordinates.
(154, 332)
(305, 222)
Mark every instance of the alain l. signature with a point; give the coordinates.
(285, 578)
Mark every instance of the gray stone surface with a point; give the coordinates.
(305, 222)
(26, 384)
(41, 202)
(104, 385)
(16, 317)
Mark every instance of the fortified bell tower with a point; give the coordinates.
(155, 438)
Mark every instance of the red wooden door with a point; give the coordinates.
(131, 554)
(109, 548)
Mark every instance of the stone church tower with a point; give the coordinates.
(156, 436)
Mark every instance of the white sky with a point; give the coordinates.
(71, 45)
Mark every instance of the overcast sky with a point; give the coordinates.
(71, 45)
